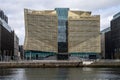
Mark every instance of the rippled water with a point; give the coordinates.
(60, 74)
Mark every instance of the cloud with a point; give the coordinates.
(14, 9)
(107, 15)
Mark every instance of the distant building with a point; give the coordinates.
(3, 16)
(7, 38)
(103, 42)
(111, 39)
(115, 35)
(16, 46)
(61, 32)
(106, 44)
(21, 50)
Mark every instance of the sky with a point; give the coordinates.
(14, 9)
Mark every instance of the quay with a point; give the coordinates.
(59, 63)
(40, 63)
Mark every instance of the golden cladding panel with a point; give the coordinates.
(41, 32)
(84, 34)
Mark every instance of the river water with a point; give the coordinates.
(60, 74)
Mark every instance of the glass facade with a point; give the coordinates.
(86, 55)
(5, 25)
(39, 55)
(62, 29)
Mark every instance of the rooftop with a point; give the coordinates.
(5, 25)
(116, 15)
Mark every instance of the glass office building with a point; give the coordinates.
(61, 32)
(115, 36)
(8, 39)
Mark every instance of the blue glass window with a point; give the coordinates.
(62, 23)
(62, 29)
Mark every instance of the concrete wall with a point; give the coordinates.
(83, 32)
(103, 45)
(16, 46)
(41, 30)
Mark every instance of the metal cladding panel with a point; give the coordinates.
(41, 30)
(83, 32)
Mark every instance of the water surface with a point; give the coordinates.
(60, 74)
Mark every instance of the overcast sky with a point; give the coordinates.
(14, 9)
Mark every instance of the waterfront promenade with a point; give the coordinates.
(59, 63)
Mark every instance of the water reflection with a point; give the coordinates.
(12, 74)
(87, 69)
(60, 74)
(47, 73)
(109, 73)
(5, 72)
